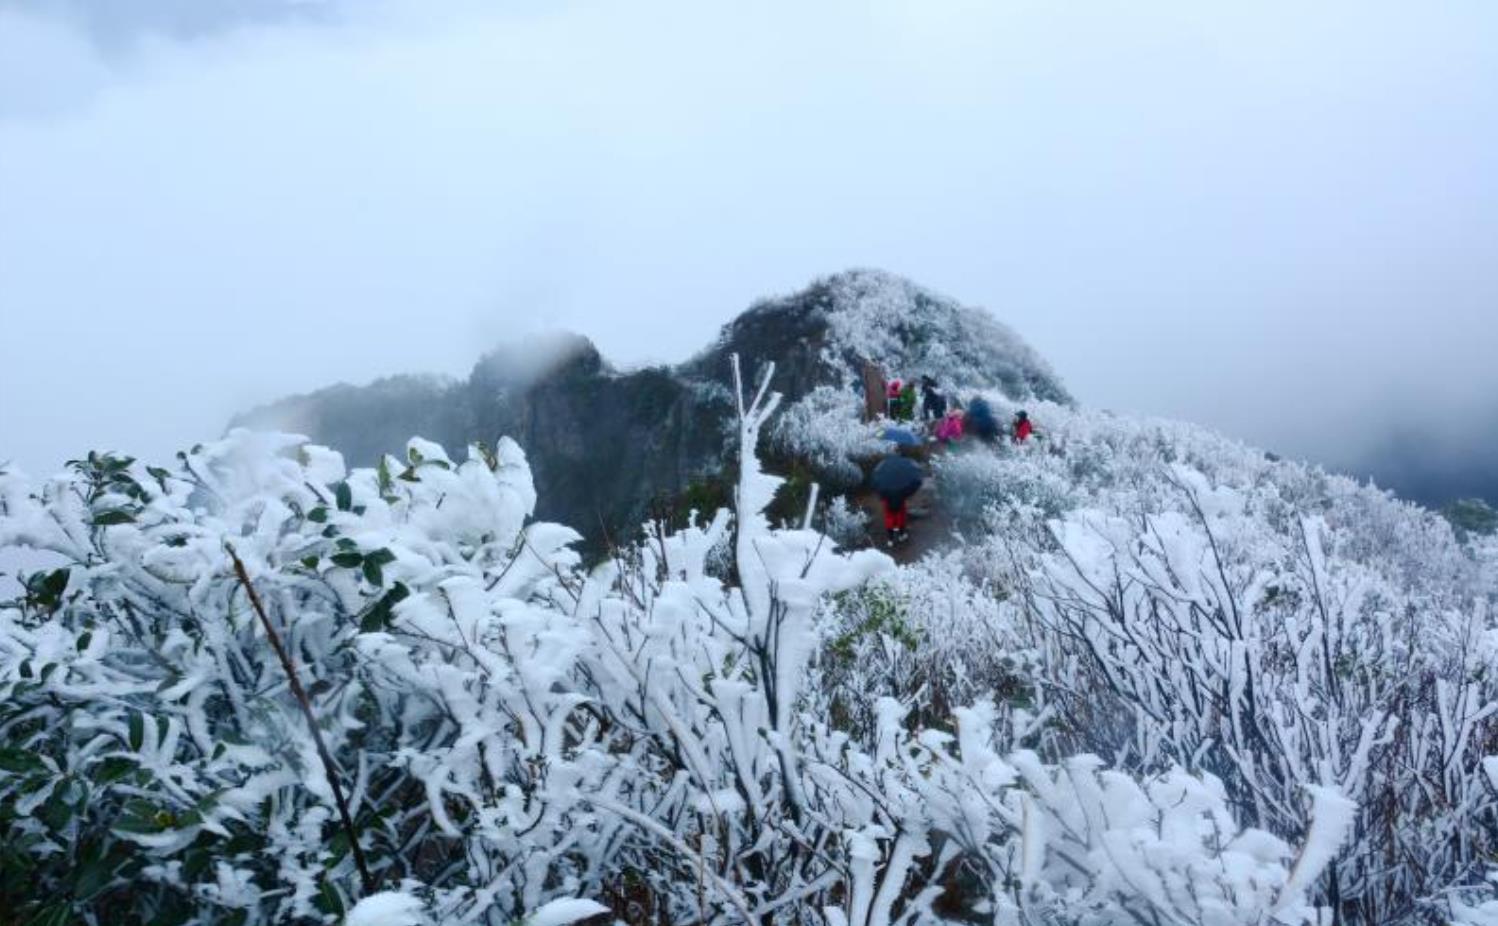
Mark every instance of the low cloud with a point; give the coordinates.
(1278, 221)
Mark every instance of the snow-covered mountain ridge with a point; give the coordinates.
(606, 444)
(1144, 674)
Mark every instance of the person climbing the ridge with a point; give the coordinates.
(892, 399)
(905, 404)
(1022, 427)
(933, 403)
(895, 480)
(949, 428)
(981, 422)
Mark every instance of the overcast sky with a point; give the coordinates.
(1279, 219)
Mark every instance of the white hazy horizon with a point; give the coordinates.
(1277, 220)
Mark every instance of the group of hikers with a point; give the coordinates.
(945, 421)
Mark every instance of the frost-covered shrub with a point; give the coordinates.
(844, 524)
(267, 689)
(977, 479)
(826, 430)
(1227, 630)
(156, 762)
(929, 637)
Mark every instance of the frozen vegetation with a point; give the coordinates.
(1156, 678)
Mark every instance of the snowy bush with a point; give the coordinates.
(1193, 604)
(826, 429)
(157, 754)
(265, 689)
(844, 524)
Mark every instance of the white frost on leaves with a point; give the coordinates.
(387, 908)
(826, 732)
(826, 429)
(1190, 601)
(1332, 819)
(564, 912)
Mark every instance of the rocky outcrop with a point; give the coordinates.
(823, 334)
(605, 444)
(602, 444)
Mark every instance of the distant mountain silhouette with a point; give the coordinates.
(604, 443)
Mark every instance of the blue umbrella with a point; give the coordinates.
(980, 420)
(900, 436)
(896, 478)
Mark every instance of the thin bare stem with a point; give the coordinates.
(365, 878)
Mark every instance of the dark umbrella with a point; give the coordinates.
(900, 436)
(980, 420)
(896, 478)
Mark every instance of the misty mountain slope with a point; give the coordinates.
(1168, 596)
(1157, 677)
(365, 420)
(605, 444)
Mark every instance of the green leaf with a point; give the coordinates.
(318, 515)
(310, 562)
(84, 639)
(378, 617)
(382, 473)
(55, 812)
(113, 769)
(347, 559)
(137, 730)
(327, 899)
(338, 847)
(373, 573)
(380, 557)
(20, 762)
(198, 862)
(344, 496)
(93, 875)
(58, 914)
(55, 583)
(117, 516)
(142, 817)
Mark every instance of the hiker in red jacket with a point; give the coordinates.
(1022, 427)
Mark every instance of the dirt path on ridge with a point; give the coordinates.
(930, 527)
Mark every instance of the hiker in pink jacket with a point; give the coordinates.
(949, 428)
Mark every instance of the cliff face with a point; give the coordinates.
(604, 444)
